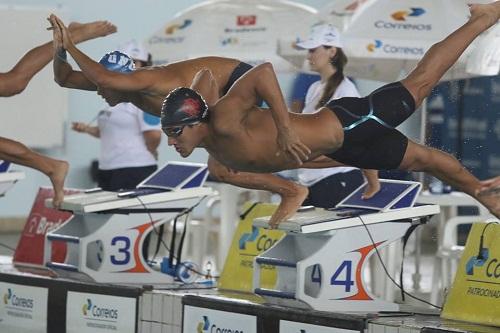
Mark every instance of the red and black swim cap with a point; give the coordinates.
(183, 106)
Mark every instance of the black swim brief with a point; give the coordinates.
(370, 138)
(238, 71)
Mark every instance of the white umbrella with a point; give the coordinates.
(386, 38)
(338, 13)
(244, 29)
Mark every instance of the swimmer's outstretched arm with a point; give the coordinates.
(64, 75)
(261, 81)
(139, 80)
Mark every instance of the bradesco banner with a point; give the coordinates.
(201, 320)
(23, 308)
(91, 313)
(475, 293)
(30, 249)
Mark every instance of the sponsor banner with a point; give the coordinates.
(201, 320)
(296, 327)
(100, 313)
(249, 242)
(475, 293)
(23, 308)
(407, 19)
(247, 20)
(380, 48)
(30, 249)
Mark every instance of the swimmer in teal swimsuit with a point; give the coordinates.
(355, 131)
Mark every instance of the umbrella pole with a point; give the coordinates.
(423, 130)
(417, 277)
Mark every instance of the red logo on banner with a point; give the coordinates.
(31, 246)
(246, 20)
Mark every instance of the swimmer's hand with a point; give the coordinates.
(289, 142)
(56, 33)
(79, 127)
(489, 186)
(58, 25)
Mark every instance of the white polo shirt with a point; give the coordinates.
(122, 141)
(346, 88)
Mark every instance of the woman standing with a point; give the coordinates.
(129, 137)
(329, 186)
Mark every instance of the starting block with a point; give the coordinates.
(8, 178)
(320, 261)
(105, 236)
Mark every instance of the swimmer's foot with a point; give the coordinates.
(81, 32)
(289, 205)
(489, 12)
(57, 176)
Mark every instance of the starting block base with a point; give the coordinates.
(105, 237)
(320, 262)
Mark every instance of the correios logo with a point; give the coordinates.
(404, 22)
(392, 49)
(174, 27)
(10, 298)
(89, 309)
(7, 296)
(205, 327)
(248, 237)
(375, 45)
(402, 15)
(491, 265)
(262, 242)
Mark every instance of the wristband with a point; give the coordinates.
(61, 54)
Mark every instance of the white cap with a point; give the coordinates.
(134, 50)
(321, 34)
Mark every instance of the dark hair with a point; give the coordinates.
(339, 60)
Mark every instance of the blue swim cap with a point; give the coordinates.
(117, 61)
(183, 106)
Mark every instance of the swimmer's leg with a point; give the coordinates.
(15, 80)
(449, 170)
(442, 55)
(56, 170)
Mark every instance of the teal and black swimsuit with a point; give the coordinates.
(370, 138)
